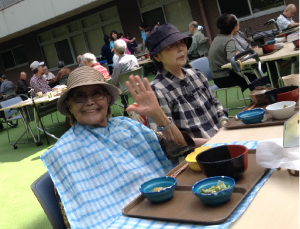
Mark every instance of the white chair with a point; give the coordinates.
(8, 115)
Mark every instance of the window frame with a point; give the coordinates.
(161, 4)
(81, 31)
(16, 66)
(258, 14)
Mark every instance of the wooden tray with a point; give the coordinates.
(268, 120)
(270, 53)
(186, 207)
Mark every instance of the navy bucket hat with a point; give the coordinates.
(164, 35)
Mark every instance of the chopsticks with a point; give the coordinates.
(176, 174)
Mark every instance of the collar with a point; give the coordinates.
(284, 16)
(95, 64)
(175, 79)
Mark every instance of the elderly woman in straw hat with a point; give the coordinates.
(99, 163)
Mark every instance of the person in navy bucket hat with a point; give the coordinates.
(183, 93)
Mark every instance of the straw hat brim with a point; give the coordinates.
(112, 90)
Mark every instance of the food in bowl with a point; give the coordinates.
(282, 110)
(164, 189)
(289, 93)
(215, 188)
(251, 116)
(191, 158)
(226, 160)
(214, 198)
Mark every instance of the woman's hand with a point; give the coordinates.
(143, 96)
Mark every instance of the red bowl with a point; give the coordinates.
(296, 43)
(268, 48)
(289, 96)
(147, 55)
(288, 93)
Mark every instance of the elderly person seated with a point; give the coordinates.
(63, 71)
(124, 64)
(89, 59)
(98, 165)
(183, 93)
(241, 42)
(220, 53)
(195, 52)
(285, 21)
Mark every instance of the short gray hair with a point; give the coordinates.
(120, 46)
(88, 57)
(194, 24)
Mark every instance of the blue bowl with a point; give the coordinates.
(251, 116)
(168, 183)
(216, 198)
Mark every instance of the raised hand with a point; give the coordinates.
(144, 96)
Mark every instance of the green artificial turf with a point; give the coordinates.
(19, 168)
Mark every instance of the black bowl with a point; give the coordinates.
(227, 160)
(280, 94)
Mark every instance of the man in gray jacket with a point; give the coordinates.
(197, 48)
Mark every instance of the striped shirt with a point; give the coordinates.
(101, 69)
(190, 102)
(39, 84)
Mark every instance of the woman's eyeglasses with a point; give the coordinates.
(81, 97)
(176, 44)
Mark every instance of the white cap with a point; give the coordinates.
(35, 64)
(200, 27)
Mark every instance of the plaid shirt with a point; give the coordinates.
(190, 102)
(39, 84)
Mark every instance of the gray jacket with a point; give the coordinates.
(220, 53)
(6, 85)
(196, 48)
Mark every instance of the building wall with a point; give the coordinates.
(130, 19)
(37, 11)
(256, 24)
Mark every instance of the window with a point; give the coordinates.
(176, 12)
(14, 57)
(245, 9)
(85, 35)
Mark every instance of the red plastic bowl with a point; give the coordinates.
(289, 96)
(268, 48)
(296, 43)
(147, 55)
(288, 93)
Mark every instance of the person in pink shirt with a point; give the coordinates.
(89, 59)
(121, 37)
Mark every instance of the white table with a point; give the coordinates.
(276, 205)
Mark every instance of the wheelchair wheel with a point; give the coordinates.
(12, 125)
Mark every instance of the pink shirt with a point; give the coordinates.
(101, 69)
(127, 50)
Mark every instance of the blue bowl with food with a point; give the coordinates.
(214, 190)
(159, 190)
(251, 116)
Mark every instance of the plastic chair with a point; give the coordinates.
(202, 64)
(43, 189)
(202, 49)
(123, 78)
(9, 93)
(9, 118)
(63, 80)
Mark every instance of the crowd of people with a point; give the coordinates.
(178, 103)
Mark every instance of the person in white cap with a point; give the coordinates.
(37, 82)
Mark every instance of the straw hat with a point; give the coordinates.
(81, 77)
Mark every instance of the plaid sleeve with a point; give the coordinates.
(215, 100)
(163, 103)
